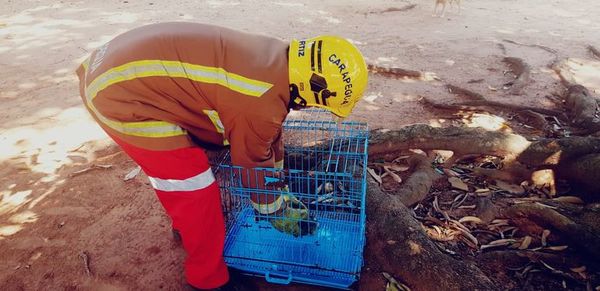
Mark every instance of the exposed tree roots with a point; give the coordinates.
(583, 109)
(577, 158)
(393, 236)
(579, 225)
(477, 105)
(417, 186)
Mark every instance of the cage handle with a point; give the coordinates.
(284, 280)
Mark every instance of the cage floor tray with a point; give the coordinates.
(334, 250)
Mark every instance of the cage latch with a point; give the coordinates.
(279, 278)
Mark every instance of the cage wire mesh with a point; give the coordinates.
(325, 170)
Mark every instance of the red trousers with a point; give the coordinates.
(187, 189)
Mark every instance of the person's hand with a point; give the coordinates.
(294, 218)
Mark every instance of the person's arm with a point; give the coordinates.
(278, 151)
(256, 143)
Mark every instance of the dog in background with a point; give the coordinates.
(443, 4)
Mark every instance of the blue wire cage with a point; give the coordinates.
(325, 170)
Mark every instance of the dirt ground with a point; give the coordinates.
(52, 218)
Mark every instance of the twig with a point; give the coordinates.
(92, 167)
(86, 262)
(395, 9)
(77, 148)
(595, 52)
(550, 50)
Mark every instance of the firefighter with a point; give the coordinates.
(164, 92)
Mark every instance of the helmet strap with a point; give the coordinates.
(295, 99)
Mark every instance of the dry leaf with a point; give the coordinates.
(470, 236)
(374, 175)
(525, 243)
(391, 242)
(472, 219)
(400, 158)
(393, 284)
(132, 173)
(498, 243)
(458, 184)
(94, 166)
(568, 199)
(467, 207)
(545, 235)
(579, 269)
(545, 205)
(511, 188)
(393, 175)
(450, 173)
(557, 248)
(500, 222)
(484, 190)
(547, 266)
(503, 241)
(397, 168)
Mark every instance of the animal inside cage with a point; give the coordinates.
(325, 172)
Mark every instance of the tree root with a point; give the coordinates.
(394, 72)
(584, 174)
(579, 225)
(576, 159)
(462, 141)
(522, 72)
(477, 104)
(393, 236)
(583, 108)
(417, 186)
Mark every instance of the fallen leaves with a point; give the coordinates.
(498, 243)
(132, 173)
(392, 174)
(510, 188)
(458, 183)
(545, 235)
(471, 219)
(525, 243)
(379, 171)
(393, 284)
(374, 175)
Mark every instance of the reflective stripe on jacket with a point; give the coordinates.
(154, 85)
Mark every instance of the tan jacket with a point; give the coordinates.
(156, 85)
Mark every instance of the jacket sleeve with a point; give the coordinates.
(255, 143)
